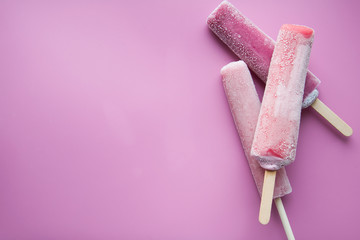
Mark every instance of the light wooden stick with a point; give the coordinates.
(284, 219)
(267, 196)
(334, 119)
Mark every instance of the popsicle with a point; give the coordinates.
(245, 105)
(255, 48)
(278, 125)
(277, 129)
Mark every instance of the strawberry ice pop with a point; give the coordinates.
(255, 48)
(278, 125)
(245, 107)
(277, 129)
(244, 104)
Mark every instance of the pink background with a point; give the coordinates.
(114, 123)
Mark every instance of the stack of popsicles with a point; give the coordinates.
(255, 48)
(269, 130)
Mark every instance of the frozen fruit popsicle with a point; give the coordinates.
(278, 125)
(254, 47)
(245, 105)
(277, 129)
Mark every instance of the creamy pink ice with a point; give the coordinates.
(251, 45)
(245, 107)
(277, 129)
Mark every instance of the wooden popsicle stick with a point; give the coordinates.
(334, 119)
(284, 219)
(267, 196)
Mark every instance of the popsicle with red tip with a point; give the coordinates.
(255, 48)
(245, 105)
(277, 129)
(278, 125)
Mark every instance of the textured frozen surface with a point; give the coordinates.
(250, 43)
(278, 125)
(245, 107)
(114, 124)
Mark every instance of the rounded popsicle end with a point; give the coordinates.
(217, 11)
(305, 31)
(271, 163)
(231, 67)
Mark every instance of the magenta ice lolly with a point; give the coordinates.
(245, 105)
(251, 45)
(277, 129)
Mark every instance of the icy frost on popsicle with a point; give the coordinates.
(277, 128)
(251, 45)
(244, 104)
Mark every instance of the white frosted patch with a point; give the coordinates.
(301, 59)
(299, 71)
(281, 93)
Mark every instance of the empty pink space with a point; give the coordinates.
(114, 123)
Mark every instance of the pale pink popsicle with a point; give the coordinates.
(277, 129)
(245, 107)
(251, 45)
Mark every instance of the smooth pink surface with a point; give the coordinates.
(114, 123)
